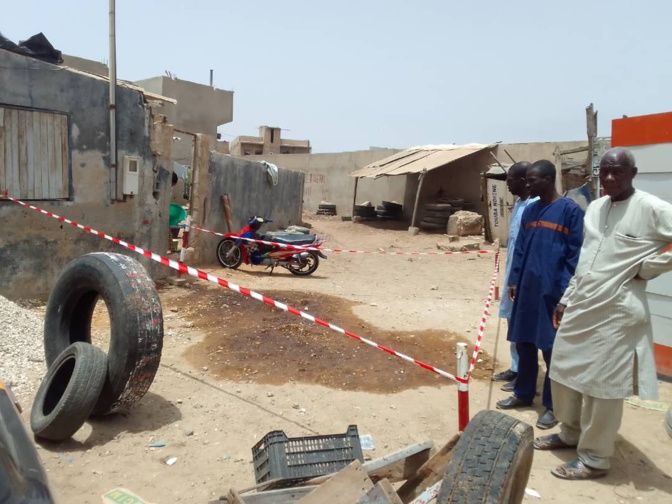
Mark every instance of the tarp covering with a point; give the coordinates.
(418, 159)
(37, 47)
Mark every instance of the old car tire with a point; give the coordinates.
(439, 207)
(431, 225)
(436, 220)
(69, 392)
(438, 213)
(136, 322)
(492, 461)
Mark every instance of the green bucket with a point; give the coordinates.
(177, 214)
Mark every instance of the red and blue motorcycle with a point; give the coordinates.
(232, 251)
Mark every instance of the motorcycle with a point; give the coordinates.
(232, 251)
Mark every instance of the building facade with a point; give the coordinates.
(269, 142)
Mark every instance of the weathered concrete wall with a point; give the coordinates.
(199, 108)
(535, 151)
(86, 65)
(327, 178)
(34, 248)
(251, 193)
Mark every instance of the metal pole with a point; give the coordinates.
(185, 242)
(462, 387)
(212, 81)
(113, 102)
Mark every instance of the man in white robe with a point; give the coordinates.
(604, 340)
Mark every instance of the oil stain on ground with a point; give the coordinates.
(248, 341)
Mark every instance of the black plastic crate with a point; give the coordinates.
(294, 459)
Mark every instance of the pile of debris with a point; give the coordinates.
(489, 462)
(326, 208)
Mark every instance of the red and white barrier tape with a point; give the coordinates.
(484, 318)
(344, 251)
(181, 267)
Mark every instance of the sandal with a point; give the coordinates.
(552, 442)
(577, 470)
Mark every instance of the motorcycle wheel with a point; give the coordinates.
(307, 268)
(229, 254)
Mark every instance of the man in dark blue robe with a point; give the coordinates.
(546, 255)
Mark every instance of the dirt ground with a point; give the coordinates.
(234, 369)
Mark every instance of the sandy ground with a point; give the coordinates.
(234, 369)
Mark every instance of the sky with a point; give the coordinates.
(349, 75)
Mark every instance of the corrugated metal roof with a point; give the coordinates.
(418, 159)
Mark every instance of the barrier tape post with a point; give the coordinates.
(185, 242)
(462, 386)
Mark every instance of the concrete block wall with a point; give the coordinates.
(327, 178)
(252, 194)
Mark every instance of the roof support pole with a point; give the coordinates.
(354, 197)
(421, 179)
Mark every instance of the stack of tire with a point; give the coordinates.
(365, 211)
(436, 215)
(326, 209)
(82, 380)
(389, 210)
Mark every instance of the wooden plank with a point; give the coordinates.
(430, 473)
(346, 487)
(23, 155)
(261, 486)
(9, 178)
(44, 155)
(382, 493)
(3, 177)
(30, 156)
(428, 495)
(13, 184)
(57, 154)
(399, 465)
(37, 154)
(392, 466)
(280, 496)
(234, 498)
(51, 157)
(65, 160)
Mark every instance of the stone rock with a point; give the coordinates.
(464, 223)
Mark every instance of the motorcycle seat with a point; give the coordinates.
(290, 239)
